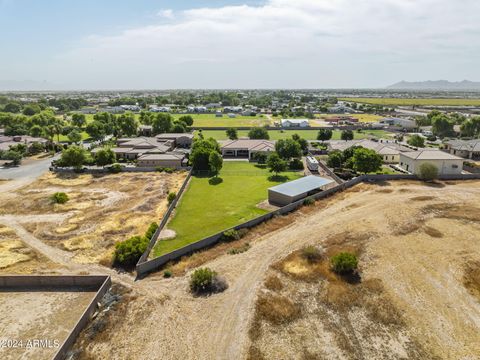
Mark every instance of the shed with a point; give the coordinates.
(295, 190)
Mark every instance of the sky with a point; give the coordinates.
(231, 44)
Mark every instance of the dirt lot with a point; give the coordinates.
(46, 316)
(102, 210)
(419, 294)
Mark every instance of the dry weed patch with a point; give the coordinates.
(471, 278)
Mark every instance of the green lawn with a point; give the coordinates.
(411, 102)
(85, 136)
(306, 134)
(206, 209)
(210, 120)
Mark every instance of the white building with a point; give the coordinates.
(404, 123)
(295, 123)
(446, 163)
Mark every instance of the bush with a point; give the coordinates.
(344, 263)
(171, 196)
(205, 280)
(115, 168)
(308, 202)
(169, 170)
(167, 274)
(428, 172)
(128, 252)
(296, 164)
(60, 198)
(239, 250)
(311, 253)
(151, 230)
(230, 235)
(159, 169)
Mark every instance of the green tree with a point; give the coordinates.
(335, 159)
(324, 134)
(127, 124)
(74, 156)
(31, 109)
(79, 120)
(215, 162)
(178, 127)
(14, 156)
(201, 150)
(232, 133)
(12, 107)
(96, 130)
(346, 135)
(128, 252)
(428, 172)
(416, 140)
(162, 123)
(366, 161)
(288, 148)
(105, 156)
(442, 126)
(36, 131)
(74, 136)
(186, 119)
(276, 164)
(258, 133)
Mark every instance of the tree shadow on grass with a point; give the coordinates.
(278, 178)
(215, 180)
(261, 166)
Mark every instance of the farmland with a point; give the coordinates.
(207, 208)
(415, 102)
(306, 134)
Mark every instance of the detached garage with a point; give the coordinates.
(295, 190)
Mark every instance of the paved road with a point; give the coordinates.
(28, 171)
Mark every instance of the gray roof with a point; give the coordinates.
(430, 155)
(302, 185)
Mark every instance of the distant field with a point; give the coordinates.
(360, 117)
(210, 120)
(306, 134)
(85, 136)
(416, 102)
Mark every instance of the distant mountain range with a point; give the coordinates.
(436, 85)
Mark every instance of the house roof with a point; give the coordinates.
(300, 186)
(383, 148)
(430, 155)
(468, 145)
(250, 144)
(174, 136)
(168, 156)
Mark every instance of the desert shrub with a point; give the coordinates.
(230, 235)
(60, 198)
(167, 274)
(311, 253)
(169, 170)
(128, 252)
(295, 164)
(170, 197)
(344, 263)
(428, 172)
(205, 280)
(115, 168)
(159, 169)
(239, 250)
(308, 202)
(242, 232)
(151, 230)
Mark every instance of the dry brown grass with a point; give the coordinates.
(432, 232)
(453, 211)
(277, 309)
(273, 283)
(423, 198)
(471, 278)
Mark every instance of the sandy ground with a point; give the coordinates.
(102, 210)
(416, 241)
(47, 316)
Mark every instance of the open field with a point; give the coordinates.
(306, 134)
(102, 210)
(42, 315)
(62, 138)
(418, 296)
(416, 102)
(207, 208)
(361, 117)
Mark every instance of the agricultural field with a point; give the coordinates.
(414, 102)
(207, 207)
(280, 305)
(101, 210)
(306, 134)
(365, 118)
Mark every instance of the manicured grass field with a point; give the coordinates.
(306, 134)
(411, 102)
(206, 209)
(210, 120)
(85, 136)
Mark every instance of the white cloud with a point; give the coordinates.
(166, 13)
(283, 43)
